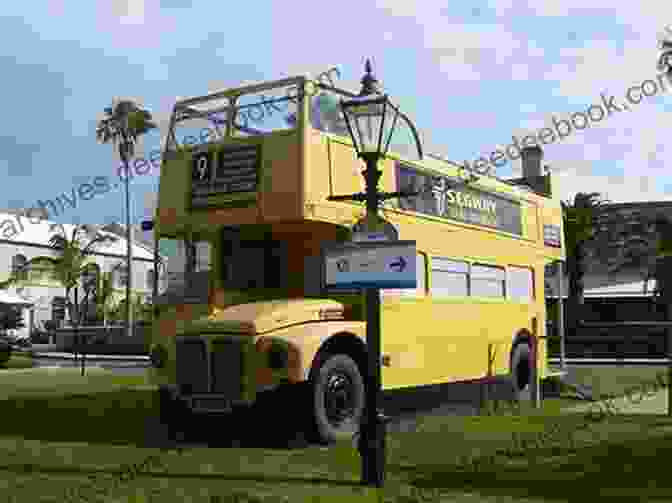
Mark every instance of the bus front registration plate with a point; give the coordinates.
(219, 404)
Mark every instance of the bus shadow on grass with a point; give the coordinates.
(130, 416)
(123, 417)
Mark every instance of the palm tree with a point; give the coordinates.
(71, 264)
(580, 220)
(104, 295)
(124, 123)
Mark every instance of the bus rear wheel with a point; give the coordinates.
(337, 399)
(522, 371)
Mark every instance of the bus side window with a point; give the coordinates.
(521, 284)
(450, 278)
(487, 281)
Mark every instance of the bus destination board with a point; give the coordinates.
(231, 169)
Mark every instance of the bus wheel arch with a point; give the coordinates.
(340, 343)
(521, 362)
(340, 361)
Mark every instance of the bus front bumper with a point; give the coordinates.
(207, 402)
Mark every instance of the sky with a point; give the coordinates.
(470, 75)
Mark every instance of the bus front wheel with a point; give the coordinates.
(522, 371)
(337, 399)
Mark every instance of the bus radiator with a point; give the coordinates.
(228, 368)
(192, 366)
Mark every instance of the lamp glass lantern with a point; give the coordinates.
(371, 121)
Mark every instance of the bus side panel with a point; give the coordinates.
(432, 341)
(174, 183)
(281, 181)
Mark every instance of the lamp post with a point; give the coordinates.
(127, 150)
(664, 248)
(371, 119)
(89, 286)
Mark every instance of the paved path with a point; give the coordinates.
(70, 356)
(655, 403)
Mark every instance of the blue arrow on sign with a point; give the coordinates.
(401, 264)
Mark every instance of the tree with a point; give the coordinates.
(142, 311)
(73, 261)
(71, 264)
(580, 220)
(104, 295)
(123, 124)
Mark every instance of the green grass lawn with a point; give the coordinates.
(17, 362)
(62, 381)
(60, 429)
(614, 380)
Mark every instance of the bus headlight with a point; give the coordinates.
(158, 356)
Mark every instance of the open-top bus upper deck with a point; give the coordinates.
(272, 153)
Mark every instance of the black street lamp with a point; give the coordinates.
(371, 119)
(89, 286)
(664, 252)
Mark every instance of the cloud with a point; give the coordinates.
(134, 24)
(129, 11)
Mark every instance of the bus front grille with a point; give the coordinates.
(192, 366)
(227, 367)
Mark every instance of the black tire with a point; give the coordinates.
(338, 398)
(522, 371)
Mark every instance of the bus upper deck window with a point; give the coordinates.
(326, 115)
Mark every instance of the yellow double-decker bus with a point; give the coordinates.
(243, 215)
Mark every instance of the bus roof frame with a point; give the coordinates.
(264, 86)
(233, 93)
(238, 91)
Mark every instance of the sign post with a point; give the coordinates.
(371, 119)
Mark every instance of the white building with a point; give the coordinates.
(23, 239)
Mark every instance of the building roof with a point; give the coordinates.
(21, 229)
(635, 289)
(15, 300)
(632, 289)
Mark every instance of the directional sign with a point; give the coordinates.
(370, 265)
(399, 265)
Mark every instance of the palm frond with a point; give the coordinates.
(124, 121)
